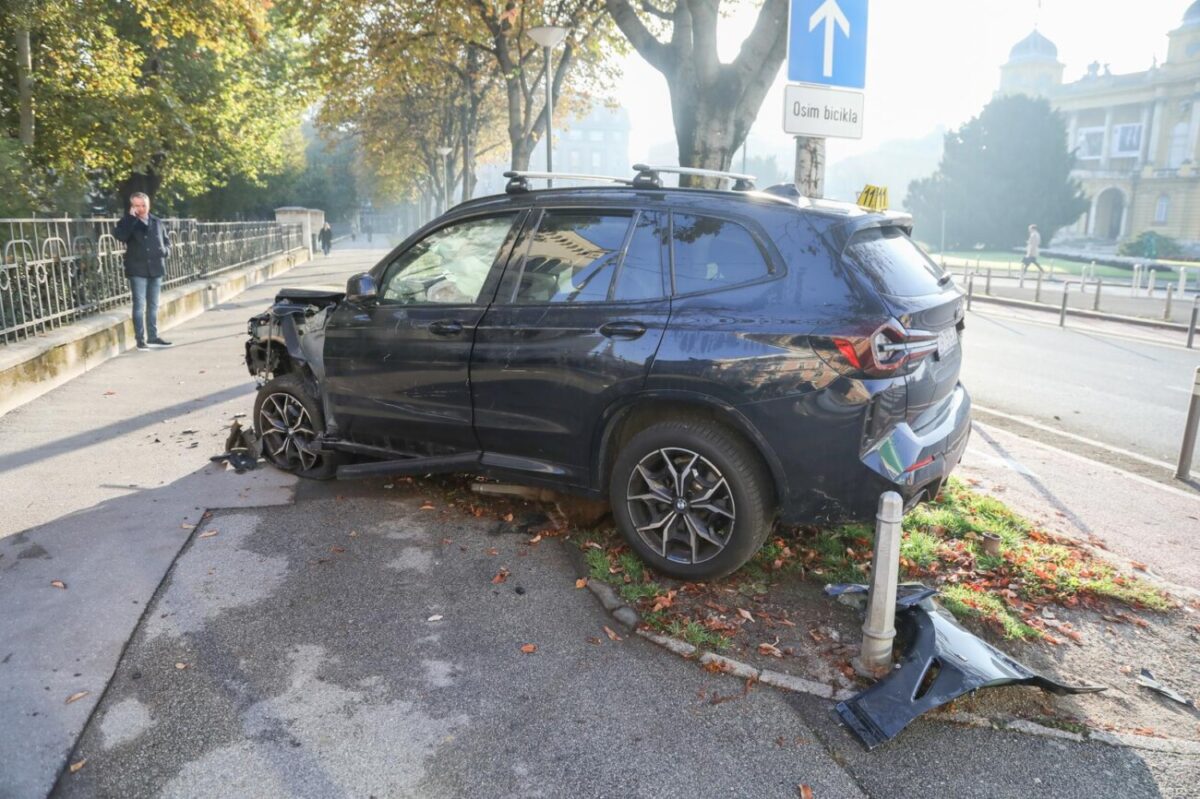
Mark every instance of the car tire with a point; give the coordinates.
(287, 419)
(692, 498)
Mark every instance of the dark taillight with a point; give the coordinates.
(888, 351)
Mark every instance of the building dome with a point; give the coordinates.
(1192, 15)
(1036, 47)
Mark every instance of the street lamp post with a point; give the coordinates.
(444, 152)
(549, 36)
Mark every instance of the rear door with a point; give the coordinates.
(923, 299)
(575, 325)
(397, 364)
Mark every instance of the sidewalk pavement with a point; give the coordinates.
(102, 479)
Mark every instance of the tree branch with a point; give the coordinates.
(648, 47)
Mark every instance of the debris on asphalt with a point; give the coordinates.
(76, 766)
(58, 584)
(75, 697)
(942, 661)
(529, 649)
(1146, 680)
(435, 617)
(242, 449)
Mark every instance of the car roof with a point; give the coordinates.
(697, 197)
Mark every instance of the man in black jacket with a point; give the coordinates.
(146, 252)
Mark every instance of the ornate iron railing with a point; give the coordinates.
(54, 271)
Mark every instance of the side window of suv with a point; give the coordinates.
(713, 253)
(641, 273)
(449, 266)
(573, 256)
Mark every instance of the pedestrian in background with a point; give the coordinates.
(1031, 250)
(146, 252)
(326, 238)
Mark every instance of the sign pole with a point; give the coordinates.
(810, 166)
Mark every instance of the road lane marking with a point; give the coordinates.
(1083, 458)
(1082, 439)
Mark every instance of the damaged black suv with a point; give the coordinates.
(707, 360)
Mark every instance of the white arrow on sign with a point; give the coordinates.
(830, 13)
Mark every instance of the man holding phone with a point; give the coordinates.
(146, 252)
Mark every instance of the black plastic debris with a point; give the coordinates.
(941, 662)
(1147, 680)
(242, 449)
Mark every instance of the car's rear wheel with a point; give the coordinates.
(289, 420)
(691, 498)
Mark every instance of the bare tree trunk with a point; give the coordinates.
(25, 86)
(713, 104)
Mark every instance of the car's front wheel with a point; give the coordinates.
(691, 498)
(289, 420)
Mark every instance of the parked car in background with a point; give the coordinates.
(709, 361)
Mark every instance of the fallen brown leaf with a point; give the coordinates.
(593, 640)
(493, 552)
(536, 538)
(181, 666)
(58, 584)
(208, 534)
(612, 636)
(581, 582)
(427, 505)
(76, 766)
(805, 792)
(187, 527)
(335, 549)
(529, 649)
(770, 649)
(745, 614)
(75, 697)
(500, 577)
(508, 517)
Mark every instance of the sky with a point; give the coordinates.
(930, 63)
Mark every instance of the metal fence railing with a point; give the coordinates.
(54, 271)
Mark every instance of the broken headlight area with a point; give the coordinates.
(941, 661)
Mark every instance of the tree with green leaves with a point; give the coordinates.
(713, 105)
(164, 96)
(1000, 172)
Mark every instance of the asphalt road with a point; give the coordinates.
(1128, 393)
(356, 645)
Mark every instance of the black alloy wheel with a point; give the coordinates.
(288, 422)
(691, 498)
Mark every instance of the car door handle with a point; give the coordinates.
(622, 329)
(446, 327)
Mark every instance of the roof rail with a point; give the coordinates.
(648, 176)
(518, 180)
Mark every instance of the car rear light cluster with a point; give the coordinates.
(888, 351)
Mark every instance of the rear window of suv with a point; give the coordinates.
(893, 263)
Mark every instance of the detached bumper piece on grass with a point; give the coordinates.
(941, 662)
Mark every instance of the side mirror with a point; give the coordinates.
(361, 287)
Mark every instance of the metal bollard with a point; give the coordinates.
(1150, 283)
(1062, 311)
(1184, 471)
(1182, 280)
(1192, 323)
(1135, 282)
(1096, 299)
(987, 286)
(1037, 292)
(1167, 309)
(879, 628)
(970, 290)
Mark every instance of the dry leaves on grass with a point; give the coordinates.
(664, 601)
(75, 697)
(745, 614)
(770, 649)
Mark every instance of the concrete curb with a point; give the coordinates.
(798, 685)
(29, 369)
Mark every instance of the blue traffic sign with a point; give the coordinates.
(827, 42)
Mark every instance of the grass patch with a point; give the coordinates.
(695, 634)
(943, 546)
